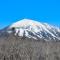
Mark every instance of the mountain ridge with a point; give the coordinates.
(34, 29)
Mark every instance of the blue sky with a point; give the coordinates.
(41, 10)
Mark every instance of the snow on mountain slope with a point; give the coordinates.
(33, 29)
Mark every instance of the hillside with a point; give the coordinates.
(18, 48)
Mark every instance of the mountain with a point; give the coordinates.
(30, 40)
(34, 29)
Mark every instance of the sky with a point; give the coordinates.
(41, 10)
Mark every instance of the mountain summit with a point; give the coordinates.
(34, 29)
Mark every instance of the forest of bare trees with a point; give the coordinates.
(17, 48)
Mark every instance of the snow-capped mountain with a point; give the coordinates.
(33, 29)
(30, 40)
